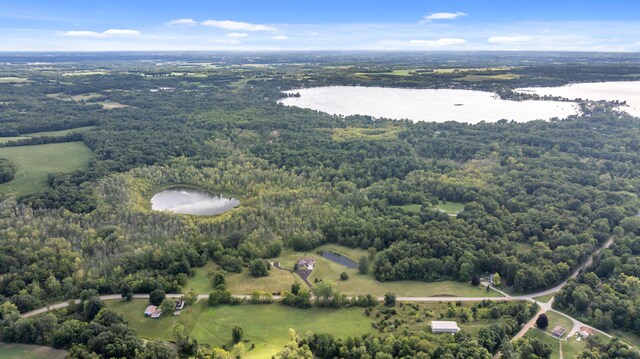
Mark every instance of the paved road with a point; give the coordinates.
(544, 307)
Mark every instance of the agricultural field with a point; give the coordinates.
(393, 73)
(34, 163)
(23, 351)
(501, 77)
(266, 325)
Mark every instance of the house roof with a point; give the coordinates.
(558, 330)
(444, 325)
(156, 314)
(306, 261)
(586, 330)
(151, 309)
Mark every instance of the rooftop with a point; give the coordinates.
(559, 331)
(444, 325)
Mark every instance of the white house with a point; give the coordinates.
(307, 263)
(444, 327)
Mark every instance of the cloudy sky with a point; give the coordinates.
(407, 25)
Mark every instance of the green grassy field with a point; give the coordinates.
(265, 325)
(22, 351)
(369, 134)
(34, 163)
(558, 319)
(501, 77)
(244, 283)
(630, 338)
(535, 333)
(363, 284)
(451, 208)
(393, 72)
(544, 298)
(26, 136)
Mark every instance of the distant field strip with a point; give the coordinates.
(34, 163)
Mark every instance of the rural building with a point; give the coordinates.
(444, 327)
(179, 304)
(584, 332)
(306, 263)
(150, 309)
(156, 314)
(558, 331)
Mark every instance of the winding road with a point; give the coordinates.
(544, 307)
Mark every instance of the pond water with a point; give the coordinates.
(340, 259)
(610, 91)
(437, 105)
(186, 200)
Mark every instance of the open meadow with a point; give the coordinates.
(23, 351)
(266, 325)
(34, 163)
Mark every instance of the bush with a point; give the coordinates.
(236, 334)
(258, 268)
(390, 299)
(475, 280)
(363, 265)
(157, 296)
(542, 322)
(7, 170)
(344, 276)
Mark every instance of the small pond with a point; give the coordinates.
(187, 200)
(339, 258)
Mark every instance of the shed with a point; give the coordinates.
(150, 309)
(444, 327)
(156, 314)
(558, 331)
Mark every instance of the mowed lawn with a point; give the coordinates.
(242, 283)
(34, 163)
(357, 283)
(23, 351)
(535, 333)
(325, 269)
(266, 325)
(451, 208)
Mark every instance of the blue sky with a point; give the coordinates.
(72, 25)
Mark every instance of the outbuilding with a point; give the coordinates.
(558, 331)
(444, 327)
(150, 309)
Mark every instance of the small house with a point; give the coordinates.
(558, 331)
(179, 304)
(585, 332)
(444, 327)
(306, 263)
(156, 314)
(150, 309)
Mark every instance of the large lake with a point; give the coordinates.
(610, 91)
(437, 105)
(185, 200)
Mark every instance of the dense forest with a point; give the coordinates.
(538, 197)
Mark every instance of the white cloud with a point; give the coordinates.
(121, 32)
(444, 16)
(237, 25)
(181, 22)
(237, 34)
(101, 35)
(511, 40)
(445, 41)
(280, 37)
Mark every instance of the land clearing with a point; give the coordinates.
(451, 208)
(34, 163)
(23, 351)
(266, 325)
(502, 77)
(14, 80)
(60, 133)
(370, 134)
